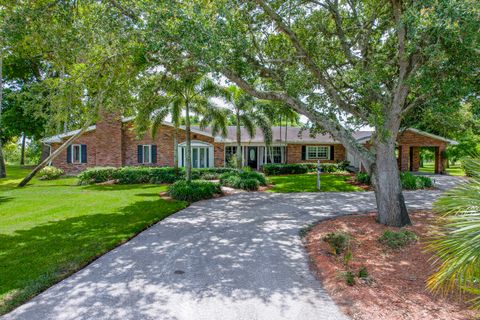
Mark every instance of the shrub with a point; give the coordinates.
(411, 182)
(209, 173)
(133, 175)
(246, 180)
(397, 239)
(194, 191)
(96, 175)
(363, 177)
(274, 168)
(349, 278)
(338, 241)
(50, 173)
(363, 273)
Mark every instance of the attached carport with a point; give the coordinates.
(409, 143)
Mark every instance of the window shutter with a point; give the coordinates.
(69, 154)
(304, 152)
(332, 152)
(140, 153)
(84, 153)
(154, 153)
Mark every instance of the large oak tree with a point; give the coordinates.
(340, 63)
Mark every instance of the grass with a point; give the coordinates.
(454, 170)
(308, 183)
(50, 229)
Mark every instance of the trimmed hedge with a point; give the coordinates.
(408, 180)
(194, 191)
(134, 175)
(246, 180)
(295, 168)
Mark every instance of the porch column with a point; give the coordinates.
(439, 160)
(415, 163)
(404, 157)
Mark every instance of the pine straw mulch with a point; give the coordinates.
(395, 288)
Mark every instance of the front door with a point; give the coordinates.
(252, 157)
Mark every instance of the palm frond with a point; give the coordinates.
(457, 245)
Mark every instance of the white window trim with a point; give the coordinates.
(72, 156)
(317, 158)
(149, 153)
(197, 144)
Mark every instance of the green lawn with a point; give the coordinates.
(50, 229)
(454, 170)
(308, 183)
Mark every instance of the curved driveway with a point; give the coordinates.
(236, 257)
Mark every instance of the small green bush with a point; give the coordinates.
(363, 273)
(411, 182)
(194, 191)
(338, 241)
(349, 278)
(50, 173)
(363, 177)
(246, 180)
(397, 239)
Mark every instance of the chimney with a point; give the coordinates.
(108, 136)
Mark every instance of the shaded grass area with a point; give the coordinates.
(454, 170)
(50, 229)
(308, 183)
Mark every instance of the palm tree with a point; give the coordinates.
(247, 112)
(457, 246)
(187, 93)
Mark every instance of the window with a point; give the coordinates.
(274, 154)
(230, 152)
(318, 152)
(200, 157)
(76, 153)
(147, 152)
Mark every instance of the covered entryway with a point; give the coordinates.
(409, 146)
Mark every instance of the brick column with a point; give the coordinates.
(108, 136)
(415, 165)
(404, 155)
(439, 160)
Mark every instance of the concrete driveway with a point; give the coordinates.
(236, 257)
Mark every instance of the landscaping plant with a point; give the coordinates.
(397, 239)
(50, 173)
(338, 241)
(246, 180)
(457, 245)
(194, 190)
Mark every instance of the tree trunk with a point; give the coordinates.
(385, 177)
(3, 171)
(188, 149)
(175, 148)
(22, 152)
(52, 156)
(239, 143)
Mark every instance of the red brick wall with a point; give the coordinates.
(294, 153)
(87, 138)
(164, 142)
(109, 141)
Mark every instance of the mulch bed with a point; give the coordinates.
(395, 288)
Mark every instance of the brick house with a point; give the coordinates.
(113, 142)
